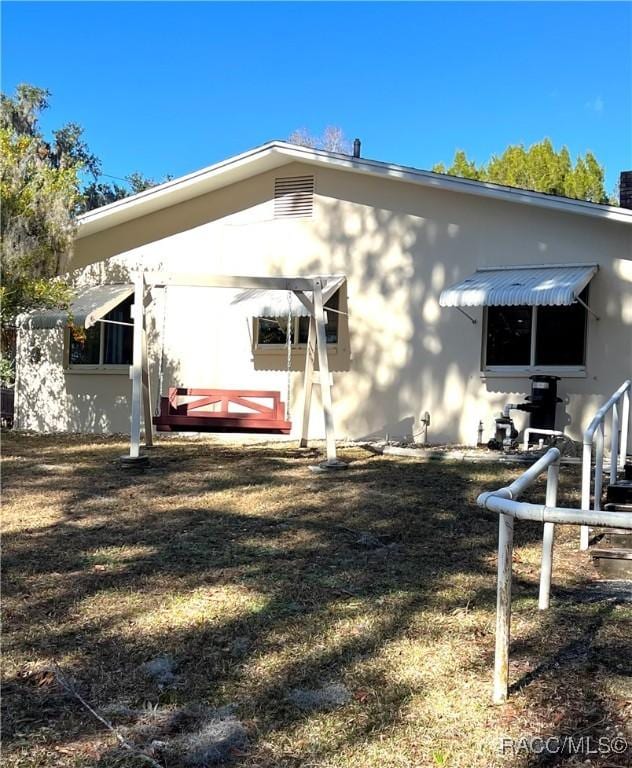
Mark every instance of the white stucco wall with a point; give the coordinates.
(399, 245)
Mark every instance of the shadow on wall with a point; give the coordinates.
(408, 354)
(404, 428)
(253, 193)
(52, 398)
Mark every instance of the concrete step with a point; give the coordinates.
(612, 554)
(612, 538)
(620, 492)
(618, 507)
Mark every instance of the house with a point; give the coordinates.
(457, 292)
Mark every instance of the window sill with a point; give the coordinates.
(108, 370)
(510, 372)
(276, 349)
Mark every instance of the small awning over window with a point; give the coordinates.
(256, 302)
(87, 308)
(541, 286)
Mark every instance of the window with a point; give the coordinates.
(105, 344)
(528, 337)
(273, 330)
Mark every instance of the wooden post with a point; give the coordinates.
(323, 366)
(136, 367)
(308, 382)
(147, 415)
(503, 607)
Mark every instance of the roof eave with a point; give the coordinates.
(276, 153)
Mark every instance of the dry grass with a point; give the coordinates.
(259, 577)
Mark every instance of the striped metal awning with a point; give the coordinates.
(535, 286)
(261, 303)
(87, 308)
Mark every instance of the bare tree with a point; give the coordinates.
(333, 139)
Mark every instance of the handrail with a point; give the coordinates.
(603, 411)
(594, 434)
(505, 502)
(526, 479)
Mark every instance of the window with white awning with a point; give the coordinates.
(103, 312)
(271, 310)
(535, 317)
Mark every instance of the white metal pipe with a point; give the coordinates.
(614, 444)
(530, 475)
(598, 467)
(625, 426)
(546, 569)
(503, 607)
(536, 431)
(540, 513)
(504, 501)
(526, 479)
(596, 426)
(602, 412)
(586, 478)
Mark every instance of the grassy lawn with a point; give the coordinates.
(258, 578)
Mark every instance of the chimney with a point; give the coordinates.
(356, 153)
(625, 189)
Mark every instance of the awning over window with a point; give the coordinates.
(261, 303)
(541, 286)
(87, 308)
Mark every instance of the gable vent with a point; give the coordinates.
(293, 197)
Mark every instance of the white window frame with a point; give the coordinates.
(101, 366)
(259, 348)
(517, 371)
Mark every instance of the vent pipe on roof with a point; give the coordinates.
(356, 147)
(625, 189)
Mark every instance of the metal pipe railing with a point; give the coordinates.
(504, 501)
(618, 449)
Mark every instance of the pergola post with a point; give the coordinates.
(322, 289)
(146, 390)
(323, 368)
(138, 311)
(308, 382)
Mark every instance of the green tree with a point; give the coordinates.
(461, 166)
(39, 190)
(540, 168)
(44, 184)
(97, 193)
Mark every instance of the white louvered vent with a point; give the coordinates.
(293, 197)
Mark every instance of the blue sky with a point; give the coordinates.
(171, 87)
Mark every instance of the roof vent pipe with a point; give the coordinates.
(356, 147)
(625, 189)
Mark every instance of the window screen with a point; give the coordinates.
(508, 335)
(106, 343)
(561, 335)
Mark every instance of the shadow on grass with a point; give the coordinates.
(256, 576)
